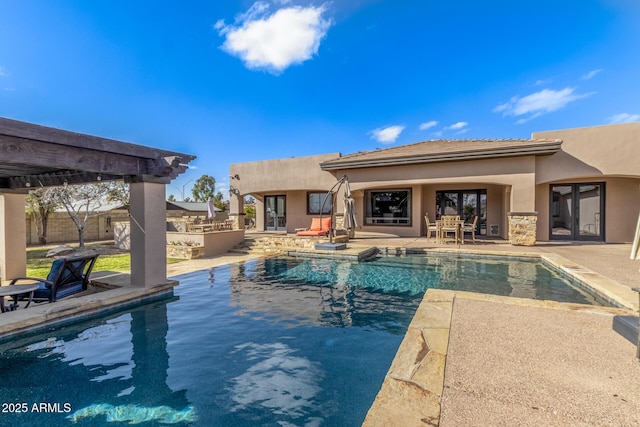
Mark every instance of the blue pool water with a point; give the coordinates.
(276, 341)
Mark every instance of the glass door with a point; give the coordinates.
(577, 212)
(562, 211)
(590, 207)
(275, 216)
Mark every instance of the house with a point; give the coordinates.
(192, 209)
(572, 184)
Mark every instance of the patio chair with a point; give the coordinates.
(67, 276)
(471, 228)
(318, 228)
(450, 224)
(431, 228)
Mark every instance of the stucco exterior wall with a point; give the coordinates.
(591, 151)
(276, 176)
(606, 154)
(622, 207)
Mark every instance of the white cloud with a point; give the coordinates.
(387, 135)
(457, 126)
(538, 103)
(624, 118)
(591, 74)
(274, 41)
(3, 73)
(427, 125)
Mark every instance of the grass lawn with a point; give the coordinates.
(38, 265)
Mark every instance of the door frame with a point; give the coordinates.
(284, 214)
(575, 213)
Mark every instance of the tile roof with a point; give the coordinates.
(442, 150)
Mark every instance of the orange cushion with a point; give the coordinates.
(311, 233)
(326, 223)
(315, 224)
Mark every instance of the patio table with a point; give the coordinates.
(15, 291)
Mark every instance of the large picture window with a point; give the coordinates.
(389, 207)
(315, 203)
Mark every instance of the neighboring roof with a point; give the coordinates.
(103, 207)
(444, 150)
(189, 206)
(34, 155)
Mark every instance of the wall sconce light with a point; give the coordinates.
(99, 177)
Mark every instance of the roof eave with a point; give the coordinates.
(536, 150)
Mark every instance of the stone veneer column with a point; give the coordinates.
(13, 242)
(522, 228)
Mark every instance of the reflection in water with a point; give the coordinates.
(278, 380)
(114, 366)
(134, 414)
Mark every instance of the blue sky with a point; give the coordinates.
(237, 81)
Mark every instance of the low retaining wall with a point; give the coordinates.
(273, 244)
(214, 242)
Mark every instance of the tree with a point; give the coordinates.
(81, 202)
(41, 202)
(218, 202)
(118, 192)
(249, 200)
(204, 188)
(250, 212)
(171, 198)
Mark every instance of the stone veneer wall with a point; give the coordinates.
(522, 228)
(276, 244)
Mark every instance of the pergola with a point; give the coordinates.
(34, 156)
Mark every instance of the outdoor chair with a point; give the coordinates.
(318, 227)
(450, 224)
(67, 276)
(471, 228)
(431, 228)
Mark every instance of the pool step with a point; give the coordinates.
(248, 247)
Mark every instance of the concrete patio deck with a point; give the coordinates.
(472, 359)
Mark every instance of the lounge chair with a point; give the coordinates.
(318, 227)
(66, 277)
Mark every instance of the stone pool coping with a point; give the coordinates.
(44, 315)
(413, 387)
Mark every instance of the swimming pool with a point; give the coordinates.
(276, 341)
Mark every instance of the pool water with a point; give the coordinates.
(276, 341)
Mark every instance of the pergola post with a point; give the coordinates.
(13, 242)
(148, 233)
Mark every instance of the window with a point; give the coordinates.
(390, 207)
(315, 203)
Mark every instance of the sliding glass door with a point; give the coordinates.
(577, 211)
